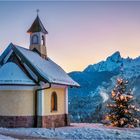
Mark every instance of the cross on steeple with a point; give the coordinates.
(37, 10)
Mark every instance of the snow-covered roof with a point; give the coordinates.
(10, 73)
(40, 69)
(52, 72)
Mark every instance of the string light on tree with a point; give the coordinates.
(122, 109)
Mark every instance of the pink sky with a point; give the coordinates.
(80, 33)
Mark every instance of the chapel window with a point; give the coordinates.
(54, 101)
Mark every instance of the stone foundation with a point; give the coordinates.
(17, 121)
(52, 121)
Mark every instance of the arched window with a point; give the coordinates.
(34, 39)
(54, 101)
(43, 40)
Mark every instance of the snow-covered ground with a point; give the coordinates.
(3, 137)
(77, 131)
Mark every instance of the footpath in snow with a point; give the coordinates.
(77, 131)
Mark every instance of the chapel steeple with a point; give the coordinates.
(38, 37)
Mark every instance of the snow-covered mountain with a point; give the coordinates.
(112, 63)
(128, 66)
(97, 81)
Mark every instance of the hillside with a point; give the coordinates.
(86, 104)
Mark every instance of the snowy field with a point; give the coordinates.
(2, 137)
(75, 131)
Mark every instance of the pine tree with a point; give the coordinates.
(122, 110)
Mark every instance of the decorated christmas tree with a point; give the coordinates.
(122, 109)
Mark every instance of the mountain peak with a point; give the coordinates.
(117, 53)
(115, 57)
(112, 62)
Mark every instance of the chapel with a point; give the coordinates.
(33, 88)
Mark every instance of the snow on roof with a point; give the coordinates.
(47, 68)
(10, 73)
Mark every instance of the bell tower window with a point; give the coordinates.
(34, 39)
(43, 40)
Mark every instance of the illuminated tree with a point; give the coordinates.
(122, 108)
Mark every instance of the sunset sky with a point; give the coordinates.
(80, 33)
